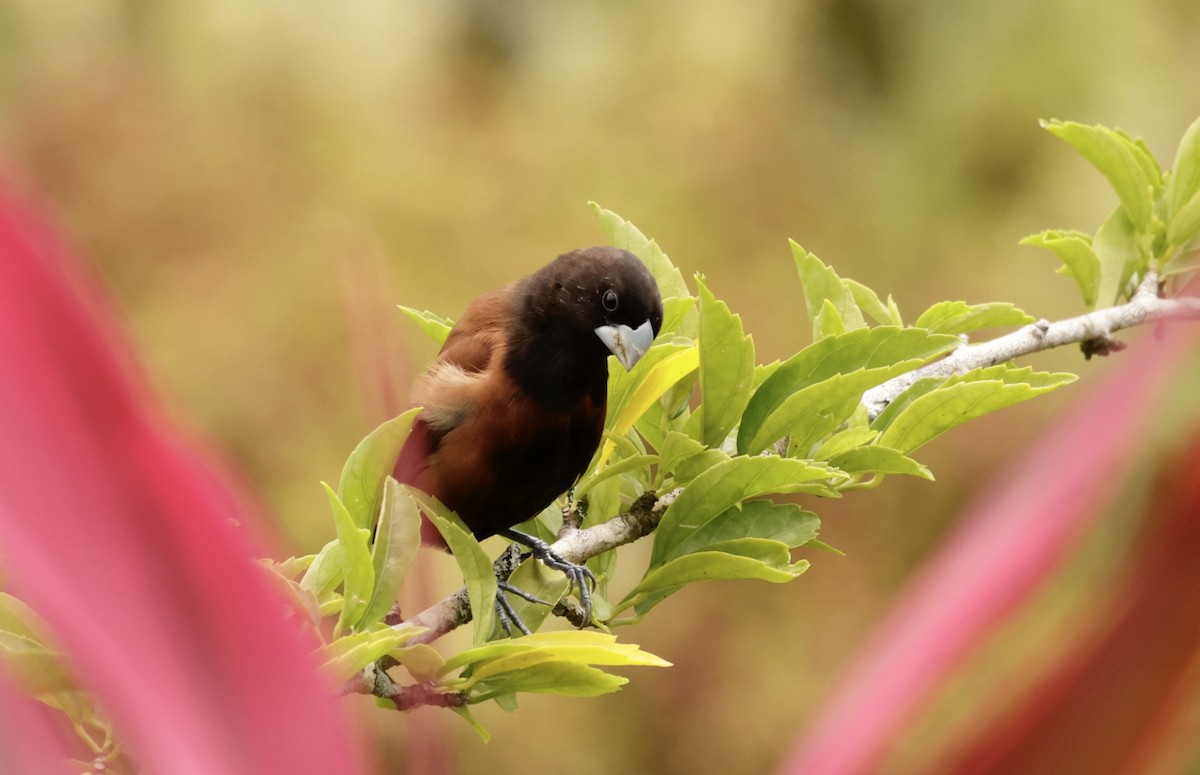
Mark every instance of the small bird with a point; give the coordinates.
(514, 404)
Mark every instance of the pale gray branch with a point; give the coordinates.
(1099, 326)
(574, 546)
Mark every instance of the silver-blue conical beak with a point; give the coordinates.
(628, 344)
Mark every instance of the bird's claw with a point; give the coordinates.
(506, 614)
(579, 576)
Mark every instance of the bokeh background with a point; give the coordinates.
(259, 184)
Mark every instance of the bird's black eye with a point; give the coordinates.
(610, 300)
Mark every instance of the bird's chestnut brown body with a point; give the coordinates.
(514, 405)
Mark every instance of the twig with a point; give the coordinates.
(1095, 329)
(576, 546)
(375, 680)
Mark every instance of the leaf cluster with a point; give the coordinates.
(736, 440)
(1154, 225)
(739, 437)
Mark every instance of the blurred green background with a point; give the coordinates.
(260, 183)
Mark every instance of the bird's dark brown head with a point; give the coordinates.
(579, 309)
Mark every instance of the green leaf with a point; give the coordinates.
(434, 325)
(554, 662)
(472, 561)
(677, 447)
(1145, 159)
(964, 398)
(579, 646)
(325, 572)
(675, 404)
(23, 652)
(1183, 185)
(821, 283)
(604, 500)
(1185, 224)
(292, 566)
(465, 713)
(728, 484)
(76, 706)
(747, 558)
(1074, 249)
(358, 573)
(564, 678)
(680, 318)
(816, 410)
(18, 619)
(868, 301)
(623, 234)
(421, 660)
(397, 536)
(623, 385)
(879, 460)
(815, 544)
(1117, 158)
(786, 523)
(654, 423)
(958, 317)
(349, 655)
(860, 349)
(895, 310)
(506, 702)
(692, 467)
(1116, 247)
(844, 440)
(630, 396)
(828, 321)
(726, 367)
(685, 458)
(914, 391)
(582, 655)
(361, 484)
(623, 466)
(762, 371)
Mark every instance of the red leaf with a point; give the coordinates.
(127, 543)
(1011, 539)
(1106, 706)
(28, 746)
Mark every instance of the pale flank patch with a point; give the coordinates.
(447, 392)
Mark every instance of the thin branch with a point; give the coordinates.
(1095, 330)
(375, 680)
(575, 546)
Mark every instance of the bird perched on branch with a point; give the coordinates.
(514, 404)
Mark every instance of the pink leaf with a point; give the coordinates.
(130, 546)
(1011, 539)
(1107, 705)
(28, 745)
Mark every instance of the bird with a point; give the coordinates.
(513, 406)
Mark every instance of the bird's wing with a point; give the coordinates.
(474, 346)
(449, 388)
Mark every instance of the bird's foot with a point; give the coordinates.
(506, 614)
(578, 575)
